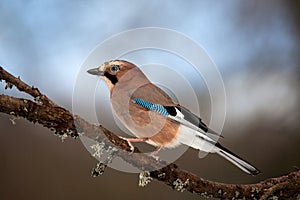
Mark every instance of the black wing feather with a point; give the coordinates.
(195, 120)
(192, 118)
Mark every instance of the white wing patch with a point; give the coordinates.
(180, 119)
(179, 114)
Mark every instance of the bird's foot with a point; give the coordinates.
(155, 152)
(130, 140)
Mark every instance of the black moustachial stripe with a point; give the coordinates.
(113, 78)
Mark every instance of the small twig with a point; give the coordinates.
(57, 119)
(23, 87)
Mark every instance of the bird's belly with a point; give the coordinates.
(148, 124)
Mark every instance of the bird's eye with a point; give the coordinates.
(114, 68)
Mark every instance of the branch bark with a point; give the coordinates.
(63, 123)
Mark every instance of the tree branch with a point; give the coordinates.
(63, 123)
(23, 87)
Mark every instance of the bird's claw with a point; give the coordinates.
(154, 154)
(156, 157)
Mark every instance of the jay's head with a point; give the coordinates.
(113, 71)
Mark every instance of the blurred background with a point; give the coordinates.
(255, 45)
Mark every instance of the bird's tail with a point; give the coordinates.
(236, 160)
(206, 144)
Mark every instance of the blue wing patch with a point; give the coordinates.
(151, 106)
(179, 114)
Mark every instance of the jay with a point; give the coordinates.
(153, 117)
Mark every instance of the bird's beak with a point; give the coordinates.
(95, 71)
